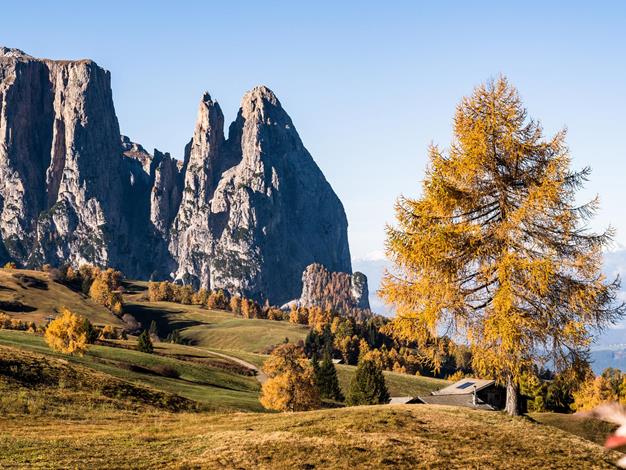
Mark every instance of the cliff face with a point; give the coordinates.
(343, 291)
(256, 210)
(61, 178)
(247, 214)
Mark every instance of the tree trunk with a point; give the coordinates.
(512, 397)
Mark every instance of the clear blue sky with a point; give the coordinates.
(368, 84)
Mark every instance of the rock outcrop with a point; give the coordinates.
(247, 214)
(342, 291)
(61, 177)
(271, 210)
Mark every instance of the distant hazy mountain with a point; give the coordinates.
(373, 266)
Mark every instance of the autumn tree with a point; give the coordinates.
(276, 314)
(235, 304)
(291, 384)
(201, 297)
(368, 385)
(103, 289)
(67, 333)
(496, 248)
(217, 300)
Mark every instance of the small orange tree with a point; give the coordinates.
(291, 385)
(67, 333)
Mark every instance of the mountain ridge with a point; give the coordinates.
(247, 213)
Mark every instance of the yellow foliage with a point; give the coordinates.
(67, 333)
(235, 304)
(299, 315)
(496, 248)
(291, 384)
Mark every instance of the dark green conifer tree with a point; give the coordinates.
(144, 343)
(368, 385)
(327, 381)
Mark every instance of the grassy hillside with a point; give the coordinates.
(34, 384)
(197, 378)
(214, 328)
(362, 437)
(32, 296)
(591, 429)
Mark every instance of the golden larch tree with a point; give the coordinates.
(291, 385)
(67, 333)
(496, 249)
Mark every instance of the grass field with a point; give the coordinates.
(591, 429)
(215, 329)
(185, 407)
(202, 381)
(32, 296)
(349, 438)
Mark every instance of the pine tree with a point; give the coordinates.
(327, 381)
(368, 385)
(144, 343)
(496, 248)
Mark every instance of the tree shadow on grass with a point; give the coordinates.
(146, 314)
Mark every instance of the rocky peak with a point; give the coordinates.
(191, 242)
(247, 214)
(135, 151)
(13, 53)
(60, 154)
(342, 291)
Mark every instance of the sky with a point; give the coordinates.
(368, 85)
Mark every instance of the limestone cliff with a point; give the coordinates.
(247, 214)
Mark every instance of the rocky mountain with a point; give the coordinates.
(247, 213)
(343, 291)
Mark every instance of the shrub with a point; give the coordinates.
(67, 333)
